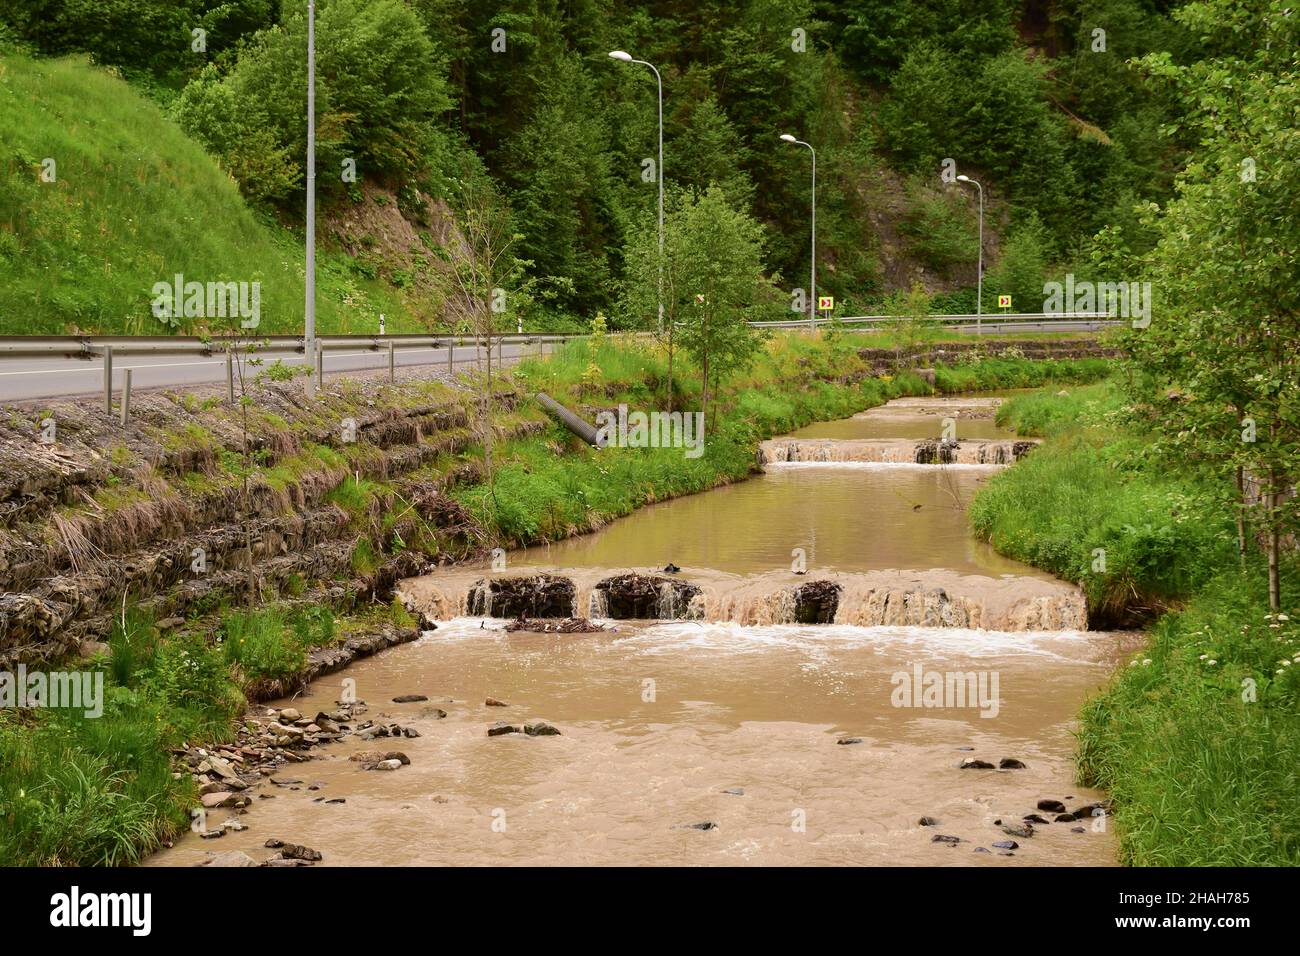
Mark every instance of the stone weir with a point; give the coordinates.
(94, 515)
(935, 598)
(929, 451)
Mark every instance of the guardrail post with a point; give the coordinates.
(126, 395)
(108, 380)
(501, 350)
(230, 376)
(451, 347)
(320, 364)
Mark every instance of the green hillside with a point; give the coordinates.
(134, 201)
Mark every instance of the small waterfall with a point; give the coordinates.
(598, 604)
(944, 451)
(665, 608)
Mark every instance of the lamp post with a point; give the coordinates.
(812, 293)
(625, 57)
(979, 275)
(309, 330)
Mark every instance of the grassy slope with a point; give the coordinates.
(135, 202)
(1198, 740)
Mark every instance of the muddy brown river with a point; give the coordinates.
(670, 724)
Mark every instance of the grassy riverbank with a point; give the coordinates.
(1198, 739)
(551, 486)
(77, 790)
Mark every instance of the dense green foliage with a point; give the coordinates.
(423, 95)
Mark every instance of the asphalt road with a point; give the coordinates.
(23, 379)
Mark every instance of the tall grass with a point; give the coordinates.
(99, 791)
(134, 202)
(1198, 740)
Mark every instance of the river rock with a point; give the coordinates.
(944, 838)
(1035, 818)
(398, 756)
(222, 798)
(294, 851)
(1010, 763)
(500, 728)
(388, 765)
(1024, 830)
(970, 763)
(1065, 818)
(845, 741)
(409, 699)
(230, 858)
(1051, 806)
(493, 702)
(1006, 845)
(1078, 829)
(927, 822)
(289, 714)
(541, 729)
(706, 825)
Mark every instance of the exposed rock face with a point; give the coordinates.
(816, 602)
(538, 595)
(646, 597)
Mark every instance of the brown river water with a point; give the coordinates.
(673, 723)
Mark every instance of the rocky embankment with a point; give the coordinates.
(168, 512)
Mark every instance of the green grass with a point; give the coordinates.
(1089, 507)
(81, 791)
(135, 202)
(1198, 739)
(98, 791)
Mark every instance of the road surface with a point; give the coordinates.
(23, 379)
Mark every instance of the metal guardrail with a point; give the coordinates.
(94, 346)
(1100, 319)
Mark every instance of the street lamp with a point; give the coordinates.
(625, 57)
(979, 275)
(309, 330)
(812, 294)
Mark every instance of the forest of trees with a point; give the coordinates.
(1038, 100)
